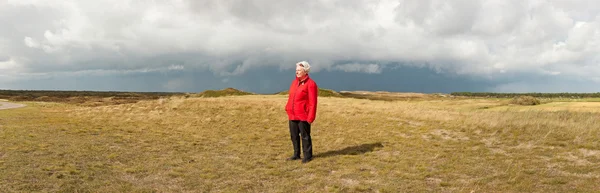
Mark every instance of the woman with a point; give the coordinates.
(302, 109)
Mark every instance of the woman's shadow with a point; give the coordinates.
(352, 150)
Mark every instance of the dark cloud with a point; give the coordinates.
(469, 40)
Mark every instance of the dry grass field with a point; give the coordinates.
(240, 143)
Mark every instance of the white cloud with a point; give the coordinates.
(8, 66)
(31, 43)
(228, 37)
(355, 67)
(176, 67)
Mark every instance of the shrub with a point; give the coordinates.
(525, 100)
(328, 93)
(224, 92)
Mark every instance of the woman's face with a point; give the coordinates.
(300, 72)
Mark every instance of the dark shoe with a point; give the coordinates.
(306, 160)
(293, 158)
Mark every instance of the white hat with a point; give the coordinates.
(304, 65)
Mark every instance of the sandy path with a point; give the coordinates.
(7, 105)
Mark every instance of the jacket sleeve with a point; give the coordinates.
(288, 105)
(312, 102)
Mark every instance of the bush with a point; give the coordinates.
(525, 100)
(221, 93)
(328, 93)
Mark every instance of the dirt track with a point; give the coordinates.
(7, 105)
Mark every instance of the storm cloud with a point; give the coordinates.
(503, 45)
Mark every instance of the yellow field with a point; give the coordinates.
(239, 144)
(558, 106)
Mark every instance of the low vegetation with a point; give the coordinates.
(222, 93)
(539, 95)
(87, 98)
(240, 143)
(328, 93)
(387, 96)
(525, 100)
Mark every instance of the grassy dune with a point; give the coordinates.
(221, 93)
(86, 98)
(239, 144)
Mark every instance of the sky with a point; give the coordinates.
(393, 45)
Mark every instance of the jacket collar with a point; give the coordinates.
(303, 80)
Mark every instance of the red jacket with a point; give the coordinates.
(302, 100)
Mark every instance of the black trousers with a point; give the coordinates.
(298, 128)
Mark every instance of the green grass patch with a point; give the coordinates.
(222, 93)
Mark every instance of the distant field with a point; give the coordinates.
(90, 98)
(194, 143)
(554, 107)
(539, 95)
